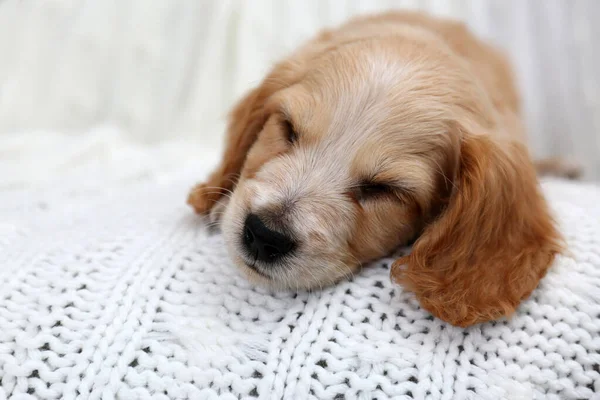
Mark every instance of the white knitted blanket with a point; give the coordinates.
(122, 293)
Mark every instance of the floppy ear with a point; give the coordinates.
(247, 120)
(494, 241)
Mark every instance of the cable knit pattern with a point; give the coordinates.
(125, 294)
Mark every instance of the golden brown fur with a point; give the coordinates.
(419, 104)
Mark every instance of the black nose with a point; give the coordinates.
(264, 243)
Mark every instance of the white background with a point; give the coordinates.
(86, 79)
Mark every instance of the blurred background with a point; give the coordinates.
(122, 89)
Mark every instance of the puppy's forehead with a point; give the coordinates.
(363, 105)
(361, 91)
(340, 97)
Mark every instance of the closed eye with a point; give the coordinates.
(290, 133)
(371, 190)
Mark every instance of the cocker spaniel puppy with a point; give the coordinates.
(392, 128)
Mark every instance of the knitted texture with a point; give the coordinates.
(124, 293)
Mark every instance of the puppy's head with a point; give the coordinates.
(349, 149)
(355, 151)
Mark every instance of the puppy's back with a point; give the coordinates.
(488, 63)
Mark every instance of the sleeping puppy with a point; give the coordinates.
(391, 128)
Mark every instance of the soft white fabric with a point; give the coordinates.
(118, 291)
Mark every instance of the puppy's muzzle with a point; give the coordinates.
(263, 243)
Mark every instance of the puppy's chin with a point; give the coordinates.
(254, 275)
(291, 277)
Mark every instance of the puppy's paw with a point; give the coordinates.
(570, 170)
(559, 168)
(203, 198)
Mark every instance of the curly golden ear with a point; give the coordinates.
(490, 247)
(247, 120)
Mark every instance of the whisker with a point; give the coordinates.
(223, 194)
(446, 179)
(287, 278)
(345, 270)
(220, 190)
(360, 265)
(211, 225)
(233, 179)
(315, 278)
